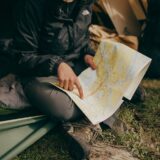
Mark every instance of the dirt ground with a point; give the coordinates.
(142, 139)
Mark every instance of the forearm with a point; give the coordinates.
(37, 65)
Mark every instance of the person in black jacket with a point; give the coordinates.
(51, 39)
(49, 32)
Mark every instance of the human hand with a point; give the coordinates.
(67, 78)
(89, 61)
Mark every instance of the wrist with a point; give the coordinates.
(54, 65)
(87, 57)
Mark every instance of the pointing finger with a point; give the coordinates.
(92, 64)
(79, 87)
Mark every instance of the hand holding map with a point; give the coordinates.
(119, 71)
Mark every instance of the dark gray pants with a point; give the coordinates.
(51, 101)
(42, 95)
(54, 102)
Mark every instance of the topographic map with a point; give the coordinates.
(119, 71)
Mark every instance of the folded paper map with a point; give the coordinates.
(119, 71)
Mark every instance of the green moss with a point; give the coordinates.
(50, 147)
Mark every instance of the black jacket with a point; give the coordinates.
(48, 32)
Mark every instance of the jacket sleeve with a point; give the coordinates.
(88, 50)
(36, 65)
(28, 22)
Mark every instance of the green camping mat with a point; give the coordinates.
(20, 129)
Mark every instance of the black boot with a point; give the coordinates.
(139, 95)
(85, 142)
(80, 136)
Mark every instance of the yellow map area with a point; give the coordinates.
(119, 72)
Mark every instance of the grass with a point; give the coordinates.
(143, 122)
(51, 147)
(142, 138)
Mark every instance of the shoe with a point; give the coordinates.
(80, 137)
(116, 124)
(85, 142)
(139, 95)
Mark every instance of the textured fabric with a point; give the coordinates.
(6, 64)
(11, 93)
(48, 32)
(99, 33)
(37, 93)
(51, 101)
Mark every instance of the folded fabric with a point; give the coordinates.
(99, 33)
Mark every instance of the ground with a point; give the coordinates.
(142, 138)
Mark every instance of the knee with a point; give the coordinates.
(35, 90)
(52, 101)
(63, 106)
